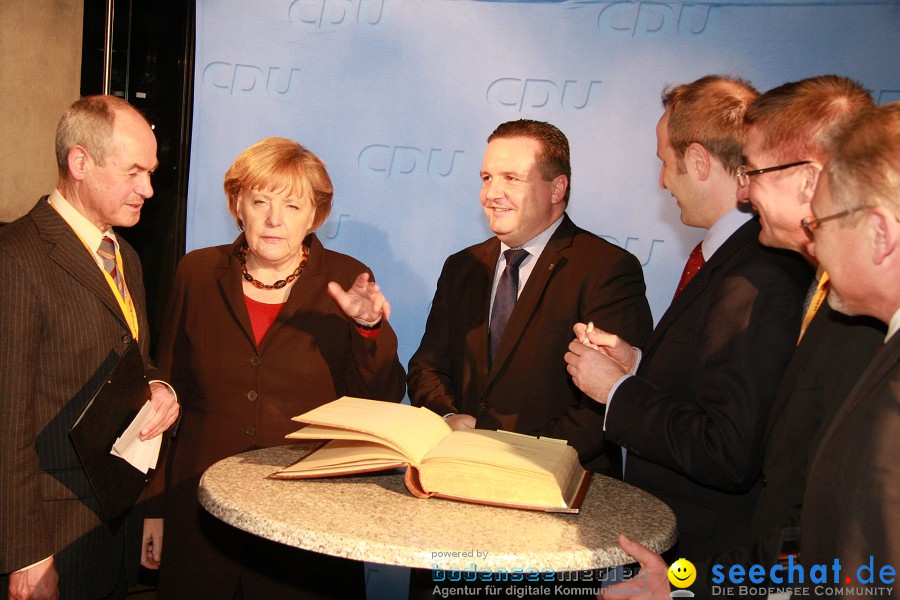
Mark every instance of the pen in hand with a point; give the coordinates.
(590, 328)
(585, 340)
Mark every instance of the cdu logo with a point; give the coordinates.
(654, 19)
(542, 94)
(407, 162)
(332, 227)
(642, 248)
(331, 15)
(886, 96)
(245, 80)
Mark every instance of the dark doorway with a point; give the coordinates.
(152, 68)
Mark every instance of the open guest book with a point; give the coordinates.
(486, 467)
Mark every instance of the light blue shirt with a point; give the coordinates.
(534, 247)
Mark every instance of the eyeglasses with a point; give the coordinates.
(744, 175)
(810, 225)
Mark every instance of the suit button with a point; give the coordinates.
(252, 395)
(765, 481)
(250, 431)
(483, 404)
(126, 339)
(254, 362)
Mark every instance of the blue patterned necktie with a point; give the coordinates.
(505, 298)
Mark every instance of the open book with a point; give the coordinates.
(486, 467)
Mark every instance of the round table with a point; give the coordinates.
(374, 518)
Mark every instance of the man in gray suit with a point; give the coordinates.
(71, 301)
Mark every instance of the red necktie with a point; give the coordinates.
(695, 261)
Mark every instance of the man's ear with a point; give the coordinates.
(558, 189)
(698, 161)
(79, 162)
(809, 178)
(883, 231)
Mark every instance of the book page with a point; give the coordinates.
(502, 449)
(321, 432)
(502, 468)
(412, 430)
(341, 457)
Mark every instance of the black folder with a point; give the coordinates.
(117, 485)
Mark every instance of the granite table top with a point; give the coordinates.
(375, 518)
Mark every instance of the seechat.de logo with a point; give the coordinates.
(870, 578)
(331, 15)
(245, 80)
(409, 162)
(654, 19)
(535, 95)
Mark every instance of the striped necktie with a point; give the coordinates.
(107, 252)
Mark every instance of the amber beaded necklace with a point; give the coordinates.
(242, 257)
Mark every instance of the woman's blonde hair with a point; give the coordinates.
(277, 163)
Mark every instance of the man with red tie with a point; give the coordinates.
(691, 410)
(851, 469)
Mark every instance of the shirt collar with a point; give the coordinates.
(86, 230)
(893, 326)
(722, 229)
(536, 245)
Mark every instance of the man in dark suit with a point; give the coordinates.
(788, 126)
(787, 129)
(851, 507)
(692, 409)
(476, 375)
(68, 314)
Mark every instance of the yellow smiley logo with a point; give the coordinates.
(682, 573)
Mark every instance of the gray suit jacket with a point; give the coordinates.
(62, 330)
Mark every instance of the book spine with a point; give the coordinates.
(411, 479)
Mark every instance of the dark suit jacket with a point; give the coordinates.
(823, 369)
(237, 395)
(578, 278)
(62, 331)
(851, 508)
(693, 419)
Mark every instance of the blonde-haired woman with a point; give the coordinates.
(257, 332)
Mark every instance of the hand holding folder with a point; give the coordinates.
(117, 484)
